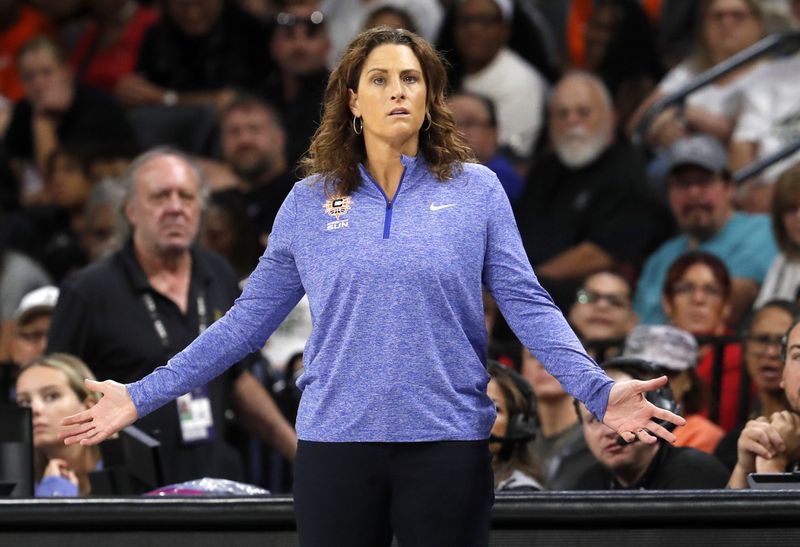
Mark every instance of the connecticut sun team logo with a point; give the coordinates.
(338, 207)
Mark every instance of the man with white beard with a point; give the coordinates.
(587, 206)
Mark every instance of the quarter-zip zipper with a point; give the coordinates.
(387, 219)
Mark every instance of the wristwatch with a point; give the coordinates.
(170, 97)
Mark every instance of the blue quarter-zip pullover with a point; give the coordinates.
(398, 345)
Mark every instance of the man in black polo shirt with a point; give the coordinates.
(640, 466)
(128, 313)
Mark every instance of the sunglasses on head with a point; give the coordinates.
(312, 23)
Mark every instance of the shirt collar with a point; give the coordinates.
(138, 279)
(415, 167)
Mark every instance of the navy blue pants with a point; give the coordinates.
(427, 493)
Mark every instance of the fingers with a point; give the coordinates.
(90, 437)
(79, 418)
(628, 436)
(655, 430)
(761, 439)
(650, 385)
(77, 437)
(646, 437)
(775, 439)
(75, 430)
(71, 476)
(668, 416)
(94, 438)
(94, 385)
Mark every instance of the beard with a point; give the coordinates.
(577, 148)
(696, 220)
(250, 170)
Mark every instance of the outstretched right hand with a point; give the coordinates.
(114, 411)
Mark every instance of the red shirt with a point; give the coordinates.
(31, 23)
(731, 377)
(106, 67)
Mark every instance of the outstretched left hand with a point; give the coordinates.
(631, 415)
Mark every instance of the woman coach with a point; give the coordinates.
(391, 236)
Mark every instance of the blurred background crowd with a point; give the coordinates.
(632, 207)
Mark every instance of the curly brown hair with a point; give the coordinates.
(336, 150)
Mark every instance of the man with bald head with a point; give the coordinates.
(587, 206)
(130, 312)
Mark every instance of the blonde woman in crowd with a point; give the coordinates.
(725, 27)
(52, 386)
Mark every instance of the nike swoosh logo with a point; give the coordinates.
(437, 207)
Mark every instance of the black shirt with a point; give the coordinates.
(672, 468)
(101, 317)
(300, 116)
(94, 123)
(726, 450)
(607, 202)
(264, 200)
(232, 54)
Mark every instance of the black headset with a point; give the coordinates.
(642, 369)
(522, 426)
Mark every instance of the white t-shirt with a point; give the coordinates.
(518, 92)
(770, 114)
(782, 281)
(723, 99)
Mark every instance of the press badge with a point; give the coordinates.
(194, 413)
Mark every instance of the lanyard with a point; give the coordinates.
(158, 324)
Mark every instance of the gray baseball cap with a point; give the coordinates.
(700, 150)
(668, 347)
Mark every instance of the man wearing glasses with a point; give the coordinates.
(700, 195)
(602, 314)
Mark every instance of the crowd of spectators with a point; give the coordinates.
(628, 218)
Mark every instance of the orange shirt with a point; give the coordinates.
(31, 23)
(580, 11)
(700, 433)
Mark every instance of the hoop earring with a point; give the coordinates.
(430, 121)
(358, 129)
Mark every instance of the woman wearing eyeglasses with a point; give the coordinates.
(762, 345)
(697, 299)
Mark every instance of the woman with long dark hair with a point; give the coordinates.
(391, 236)
(514, 464)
